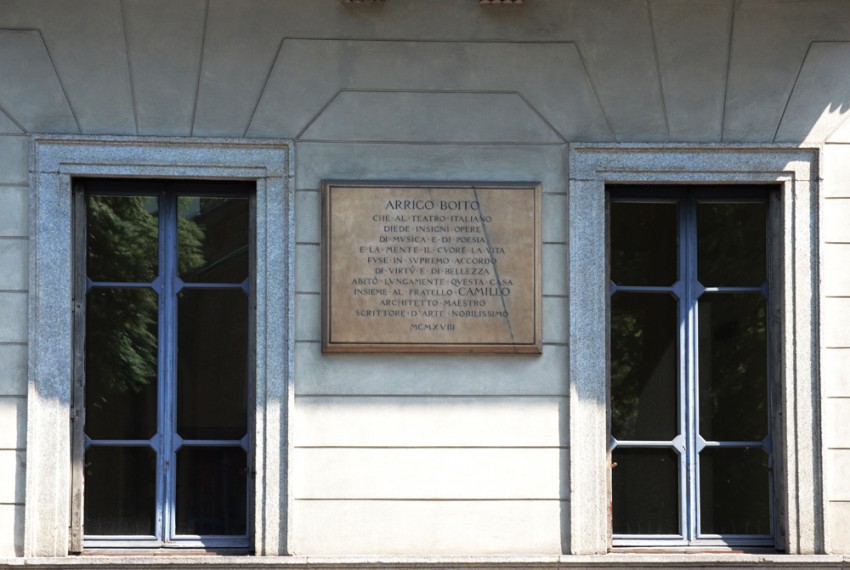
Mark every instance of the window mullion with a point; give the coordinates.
(167, 363)
(691, 368)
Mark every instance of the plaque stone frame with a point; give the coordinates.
(442, 267)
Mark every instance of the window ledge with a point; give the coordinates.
(614, 560)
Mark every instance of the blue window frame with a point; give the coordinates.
(690, 338)
(163, 337)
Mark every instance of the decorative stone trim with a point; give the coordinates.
(799, 491)
(54, 161)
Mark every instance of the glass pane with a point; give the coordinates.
(212, 490)
(732, 244)
(212, 239)
(212, 364)
(644, 393)
(121, 241)
(643, 243)
(733, 367)
(120, 493)
(121, 363)
(734, 491)
(645, 491)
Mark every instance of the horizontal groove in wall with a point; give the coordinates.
(429, 143)
(430, 500)
(431, 447)
(476, 396)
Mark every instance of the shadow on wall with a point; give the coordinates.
(438, 92)
(818, 106)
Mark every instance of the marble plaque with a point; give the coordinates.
(432, 268)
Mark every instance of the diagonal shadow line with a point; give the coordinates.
(812, 43)
(129, 65)
(55, 72)
(730, 43)
(14, 120)
(595, 93)
(791, 92)
(200, 66)
(657, 60)
(61, 83)
(518, 94)
(262, 92)
(536, 111)
(840, 126)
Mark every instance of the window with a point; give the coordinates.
(162, 399)
(53, 517)
(689, 381)
(795, 460)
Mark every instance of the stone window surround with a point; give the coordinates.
(54, 161)
(799, 492)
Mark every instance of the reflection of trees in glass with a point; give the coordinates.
(122, 238)
(643, 366)
(121, 343)
(626, 344)
(190, 241)
(121, 324)
(733, 367)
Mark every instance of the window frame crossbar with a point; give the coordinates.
(687, 291)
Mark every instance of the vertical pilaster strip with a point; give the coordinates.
(588, 367)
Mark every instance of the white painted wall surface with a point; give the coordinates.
(835, 355)
(404, 454)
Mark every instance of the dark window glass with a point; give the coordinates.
(212, 345)
(643, 243)
(644, 394)
(166, 364)
(733, 367)
(732, 244)
(212, 490)
(645, 491)
(213, 239)
(121, 363)
(734, 490)
(120, 492)
(689, 374)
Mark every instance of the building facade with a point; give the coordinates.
(169, 386)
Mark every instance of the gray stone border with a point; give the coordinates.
(592, 166)
(54, 160)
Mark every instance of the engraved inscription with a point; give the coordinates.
(432, 268)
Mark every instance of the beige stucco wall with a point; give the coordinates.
(835, 355)
(429, 454)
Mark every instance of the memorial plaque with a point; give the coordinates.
(431, 268)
